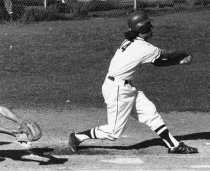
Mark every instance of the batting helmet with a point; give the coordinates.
(138, 20)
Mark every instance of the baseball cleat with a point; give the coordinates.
(183, 149)
(74, 142)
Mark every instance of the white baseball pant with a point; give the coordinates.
(122, 100)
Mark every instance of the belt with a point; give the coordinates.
(125, 81)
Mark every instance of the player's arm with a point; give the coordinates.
(10, 115)
(172, 57)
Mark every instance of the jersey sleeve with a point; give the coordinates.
(151, 53)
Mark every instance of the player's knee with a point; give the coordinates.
(148, 113)
(153, 119)
(150, 116)
(150, 109)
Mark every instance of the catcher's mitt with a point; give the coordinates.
(31, 130)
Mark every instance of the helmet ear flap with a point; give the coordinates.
(146, 28)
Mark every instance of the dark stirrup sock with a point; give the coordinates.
(88, 134)
(166, 136)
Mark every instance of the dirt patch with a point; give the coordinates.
(138, 144)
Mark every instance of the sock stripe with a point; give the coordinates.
(158, 129)
(167, 138)
(92, 133)
(174, 141)
(167, 143)
(161, 130)
(95, 132)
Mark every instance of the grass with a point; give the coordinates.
(63, 63)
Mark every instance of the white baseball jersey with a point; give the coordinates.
(122, 98)
(129, 56)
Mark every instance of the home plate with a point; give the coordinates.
(124, 160)
(201, 166)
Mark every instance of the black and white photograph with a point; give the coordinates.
(104, 85)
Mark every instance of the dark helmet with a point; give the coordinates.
(137, 20)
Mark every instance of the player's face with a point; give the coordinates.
(149, 34)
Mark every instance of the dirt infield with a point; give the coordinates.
(138, 148)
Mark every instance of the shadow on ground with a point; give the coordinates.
(88, 150)
(154, 142)
(34, 155)
(102, 150)
(109, 150)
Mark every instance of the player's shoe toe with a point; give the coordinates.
(74, 142)
(183, 149)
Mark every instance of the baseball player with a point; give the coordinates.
(120, 95)
(27, 131)
(8, 8)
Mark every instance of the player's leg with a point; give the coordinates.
(8, 114)
(119, 101)
(146, 113)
